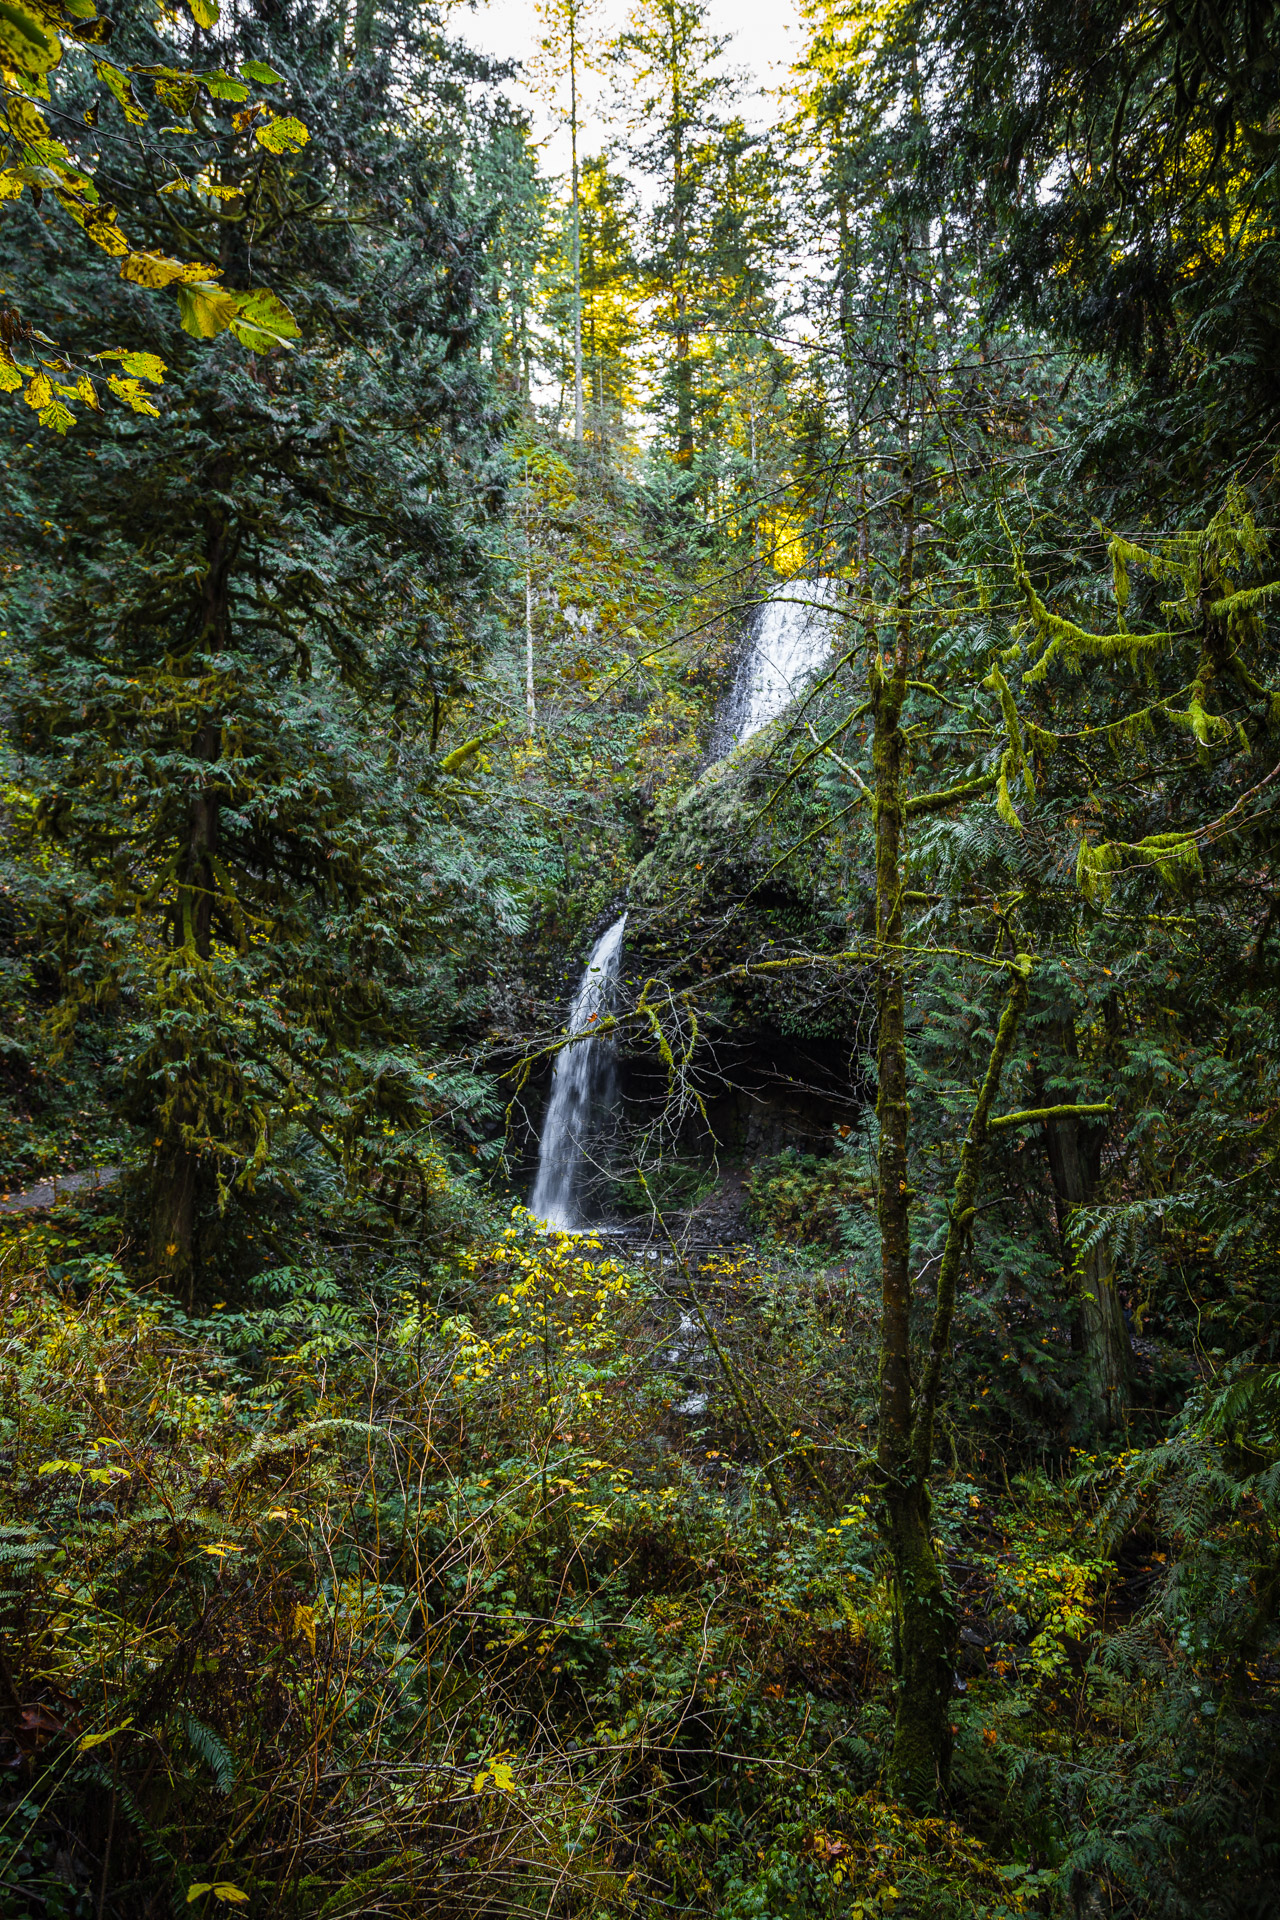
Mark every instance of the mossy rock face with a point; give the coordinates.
(723, 887)
(723, 890)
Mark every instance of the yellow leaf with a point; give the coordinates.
(220, 1547)
(285, 134)
(39, 391)
(204, 12)
(10, 374)
(120, 85)
(26, 120)
(175, 93)
(57, 417)
(96, 1739)
(158, 270)
(104, 233)
(146, 366)
(133, 395)
(262, 321)
(220, 1889)
(304, 1622)
(10, 185)
(26, 45)
(207, 309)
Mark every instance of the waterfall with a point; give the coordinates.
(791, 639)
(582, 1086)
(789, 642)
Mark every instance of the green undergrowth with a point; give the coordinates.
(411, 1592)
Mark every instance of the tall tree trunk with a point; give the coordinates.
(924, 1637)
(178, 1177)
(531, 710)
(577, 226)
(926, 1626)
(920, 1609)
(530, 704)
(923, 1625)
(1098, 1330)
(684, 369)
(684, 386)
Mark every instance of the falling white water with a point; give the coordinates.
(790, 641)
(582, 1085)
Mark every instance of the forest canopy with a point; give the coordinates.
(639, 943)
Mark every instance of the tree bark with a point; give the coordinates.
(924, 1616)
(577, 224)
(178, 1177)
(920, 1756)
(1098, 1330)
(684, 370)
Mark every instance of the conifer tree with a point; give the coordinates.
(669, 60)
(567, 47)
(205, 691)
(610, 298)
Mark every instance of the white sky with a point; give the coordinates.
(765, 36)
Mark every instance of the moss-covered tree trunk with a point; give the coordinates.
(924, 1632)
(1098, 1330)
(924, 1622)
(925, 1618)
(178, 1177)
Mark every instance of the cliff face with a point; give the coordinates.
(775, 1062)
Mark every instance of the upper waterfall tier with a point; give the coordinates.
(790, 640)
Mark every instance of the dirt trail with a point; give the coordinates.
(47, 1193)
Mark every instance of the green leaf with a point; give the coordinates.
(263, 321)
(223, 87)
(204, 12)
(285, 134)
(259, 70)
